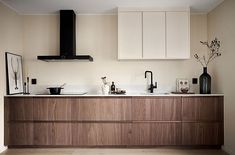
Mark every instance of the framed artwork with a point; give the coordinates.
(182, 84)
(14, 73)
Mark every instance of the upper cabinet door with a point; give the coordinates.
(154, 35)
(130, 35)
(177, 35)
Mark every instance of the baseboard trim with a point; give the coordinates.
(3, 148)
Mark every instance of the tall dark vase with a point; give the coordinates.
(205, 82)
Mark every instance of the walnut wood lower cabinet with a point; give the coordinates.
(113, 121)
(156, 108)
(202, 120)
(101, 109)
(52, 134)
(101, 134)
(19, 134)
(202, 133)
(156, 133)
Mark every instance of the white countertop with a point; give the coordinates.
(112, 95)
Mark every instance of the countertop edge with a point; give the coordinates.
(127, 95)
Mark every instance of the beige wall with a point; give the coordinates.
(221, 24)
(11, 41)
(97, 36)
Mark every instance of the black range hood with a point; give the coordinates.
(67, 39)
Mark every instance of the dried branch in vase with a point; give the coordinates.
(214, 52)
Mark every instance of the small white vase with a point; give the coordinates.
(105, 89)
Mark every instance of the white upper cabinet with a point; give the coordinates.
(154, 35)
(177, 34)
(130, 35)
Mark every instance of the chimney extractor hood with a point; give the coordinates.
(67, 39)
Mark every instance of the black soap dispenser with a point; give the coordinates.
(112, 88)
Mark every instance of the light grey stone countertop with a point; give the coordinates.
(112, 95)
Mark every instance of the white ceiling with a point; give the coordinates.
(103, 6)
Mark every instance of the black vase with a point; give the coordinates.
(205, 82)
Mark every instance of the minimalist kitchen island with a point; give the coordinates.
(114, 120)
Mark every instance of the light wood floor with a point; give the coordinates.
(158, 151)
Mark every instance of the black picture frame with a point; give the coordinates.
(14, 74)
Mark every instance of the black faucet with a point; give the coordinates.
(151, 85)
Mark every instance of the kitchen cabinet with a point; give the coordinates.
(177, 35)
(52, 109)
(153, 34)
(202, 133)
(84, 121)
(156, 133)
(101, 134)
(202, 120)
(156, 108)
(19, 133)
(202, 108)
(101, 109)
(52, 134)
(19, 109)
(130, 35)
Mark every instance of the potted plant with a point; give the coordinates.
(212, 53)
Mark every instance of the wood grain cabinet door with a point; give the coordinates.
(19, 108)
(52, 134)
(156, 133)
(101, 134)
(156, 108)
(19, 134)
(101, 109)
(202, 133)
(202, 108)
(48, 109)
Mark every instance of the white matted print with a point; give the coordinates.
(182, 84)
(14, 73)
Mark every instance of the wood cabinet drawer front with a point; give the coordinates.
(52, 109)
(19, 134)
(52, 134)
(19, 109)
(151, 108)
(156, 134)
(85, 134)
(42, 134)
(113, 121)
(101, 109)
(202, 133)
(202, 109)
